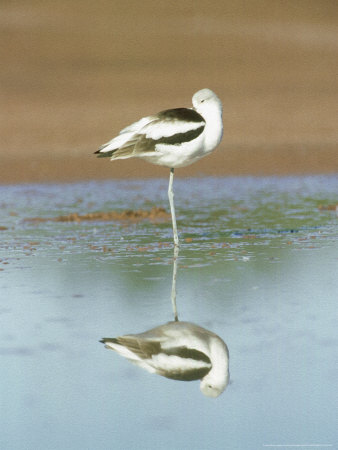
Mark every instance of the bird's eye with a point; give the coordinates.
(202, 101)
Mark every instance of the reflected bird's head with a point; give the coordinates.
(212, 387)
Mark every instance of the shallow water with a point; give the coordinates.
(258, 266)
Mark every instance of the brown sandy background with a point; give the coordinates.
(73, 73)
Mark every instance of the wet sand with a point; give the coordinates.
(73, 74)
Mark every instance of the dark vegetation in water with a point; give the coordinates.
(129, 215)
(328, 207)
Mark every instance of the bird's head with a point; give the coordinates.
(212, 389)
(206, 99)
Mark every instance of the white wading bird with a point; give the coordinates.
(178, 350)
(172, 138)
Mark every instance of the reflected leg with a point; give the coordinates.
(173, 286)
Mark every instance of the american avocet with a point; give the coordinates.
(178, 350)
(172, 138)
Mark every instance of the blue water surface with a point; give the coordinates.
(258, 266)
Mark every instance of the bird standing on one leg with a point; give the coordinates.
(172, 138)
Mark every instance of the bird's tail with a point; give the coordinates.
(106, 341)
(117, 148)
(103, 152)
(117, 345)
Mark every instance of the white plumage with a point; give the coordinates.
(178, 350)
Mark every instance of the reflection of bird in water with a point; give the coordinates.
(172, 138)
(178, 350)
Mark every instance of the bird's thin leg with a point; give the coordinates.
(176, 242)
(172, 206)
(173, 286)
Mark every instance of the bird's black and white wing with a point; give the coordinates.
(182, 363)
(178, 363)
(172, 127)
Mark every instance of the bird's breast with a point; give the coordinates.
(213, 132)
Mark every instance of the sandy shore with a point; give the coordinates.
(73, 74)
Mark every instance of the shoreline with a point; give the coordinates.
(261, 161)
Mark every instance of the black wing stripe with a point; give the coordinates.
(185, 352)
(186, 375)
(145, 144)
(180, 138)
(182, 114)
